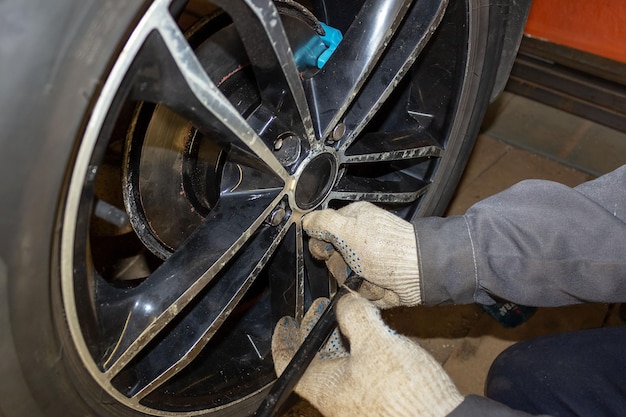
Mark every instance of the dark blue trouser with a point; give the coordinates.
(581, 374)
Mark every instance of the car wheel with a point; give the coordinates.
(157, 160)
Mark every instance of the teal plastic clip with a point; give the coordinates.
(318, 50)
(331, 40)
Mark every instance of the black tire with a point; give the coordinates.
(56, 60)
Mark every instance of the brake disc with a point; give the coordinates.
(172, 174)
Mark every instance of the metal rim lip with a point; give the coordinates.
(315, 179)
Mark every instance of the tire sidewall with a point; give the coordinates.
(53, 57)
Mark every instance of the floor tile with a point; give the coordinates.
(504, 166)
(469, 364)
(534, 126)
(438, 329)
(487, 151)
(556, 134)
(599, 151)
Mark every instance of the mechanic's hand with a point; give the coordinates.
(384, 374)
(377, 245)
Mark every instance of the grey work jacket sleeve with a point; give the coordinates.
(537, 243)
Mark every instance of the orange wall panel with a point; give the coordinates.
(594, 26)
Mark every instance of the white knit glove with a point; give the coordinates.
(377, 245)
(383, 375)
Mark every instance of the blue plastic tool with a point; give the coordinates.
(318, 50)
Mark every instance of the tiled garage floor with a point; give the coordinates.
(521, 139)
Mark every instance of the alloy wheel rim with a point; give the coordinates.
(269, 219)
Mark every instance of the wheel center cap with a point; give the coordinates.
(316, 181)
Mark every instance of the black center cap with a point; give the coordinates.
(316, 180)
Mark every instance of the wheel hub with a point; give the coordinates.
(315, 180)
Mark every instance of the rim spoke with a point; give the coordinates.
(270, 54)
(287, 276)
(190, 91)
(336, 86)
(319, 281)
(380, 147)
(165, 293)
(402, 189)
(421, 22)
(300, 272)
(184, 342)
